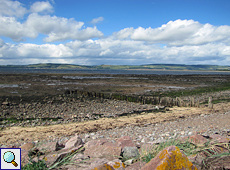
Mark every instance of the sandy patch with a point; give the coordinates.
(19, 134)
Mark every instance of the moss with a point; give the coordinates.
(174, 161)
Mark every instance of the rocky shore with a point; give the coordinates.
(67, 111)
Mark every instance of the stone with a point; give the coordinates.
(136, 166)
(50, 147)
(214, 163)
(107, 150)
(130, 152)
(24, 157)
(57, 156)
(170, 157)
(116, 164)
(96, 142)
(218, 138)
(197, 160)
(73, 142)
(125, 141)
(196, 139)
(104, 167)
(5, 103)
(129, 162)
(28, 146)
(97, 163)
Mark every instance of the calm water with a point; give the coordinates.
(105, 71)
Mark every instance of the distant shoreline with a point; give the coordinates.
(173, 70)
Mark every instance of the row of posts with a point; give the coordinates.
(155, 100)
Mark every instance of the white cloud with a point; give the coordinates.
(179, 32)
(97, 20)
(56, 28)
(112, 51)
(12, 8)
(13, 29)
(106, 52)
(41, 7)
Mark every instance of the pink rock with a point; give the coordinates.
(125, 141)
(167, 158)
(27, 146)
(197, 139)
(107, 150)
(196, 160)
(57, 156)
(104, 167)
(96, 142)
(73, 142)
(98, 163)
(116, 164)
(24, 157)
(219, 139)
(49, 147)
(136, 166)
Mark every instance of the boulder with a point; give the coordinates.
(125, 141)
(73, 142)
(169, 158)
(27, 146)
(130, 152)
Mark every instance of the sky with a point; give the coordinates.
(115, 32)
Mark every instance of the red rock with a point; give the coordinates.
(73, 142)
(125, 141)
(116, 164)
(214, 163)
(96, 142)
(219, 139)
(58, 155)
(109, 151)
(197, 139)
(168, 158)
(24, 157)
(49, 147)
(104, 167)
(136, 166)
(98, 162)
(27, 146)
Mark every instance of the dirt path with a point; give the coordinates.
(24, 134)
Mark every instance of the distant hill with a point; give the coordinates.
(122, 67)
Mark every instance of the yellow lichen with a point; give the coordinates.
(108, 167)
(123, 165)
(117, 165)
(174, 161)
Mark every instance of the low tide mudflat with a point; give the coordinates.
(38, 100)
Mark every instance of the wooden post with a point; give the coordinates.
(210, 105)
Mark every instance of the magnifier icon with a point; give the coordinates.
(9, 157)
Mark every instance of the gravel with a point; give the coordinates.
(206, 125)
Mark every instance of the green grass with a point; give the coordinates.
(16, 120)
(41, 165)
(188, 149)
(197, 91)
(217, 101)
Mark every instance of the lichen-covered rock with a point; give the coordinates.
(171, 158)
(130, 152)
